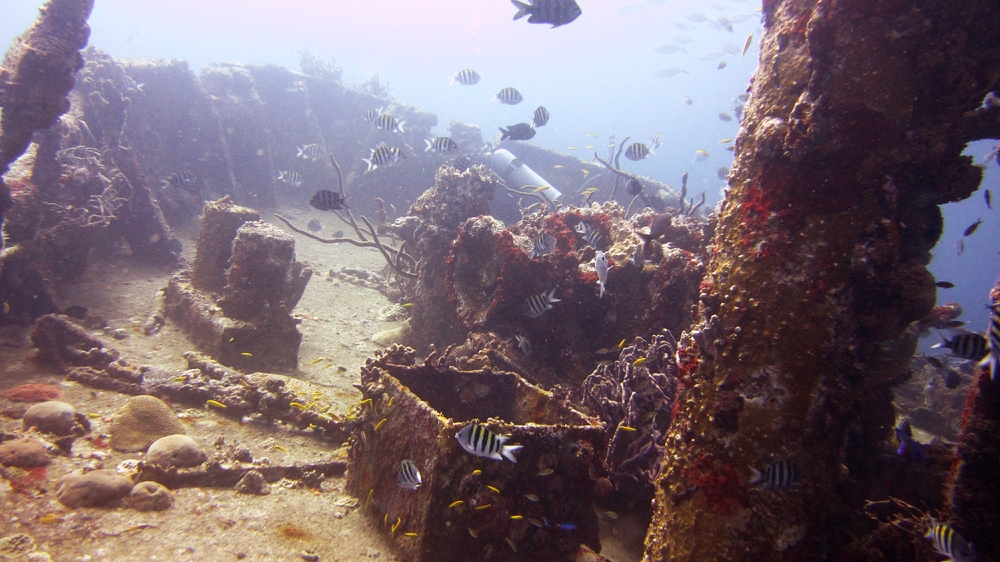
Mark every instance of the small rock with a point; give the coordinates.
(51, 417)
(253, 483)
(119, 334)
(24, 453)
(150, 496)
(17, 544)
(39, 557)
(93, 489)
(309, 556)
(242, 454)
(175, 450)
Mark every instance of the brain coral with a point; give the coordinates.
(141, 421)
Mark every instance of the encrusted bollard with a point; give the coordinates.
(251, 327)
(470, 507)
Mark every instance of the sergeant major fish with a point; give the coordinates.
(590, 234)
(992, 361)
(656, 141)
(540, 117)
(967, 346)
(382, 155)
(387, 122)
(326, 200)
(539, 304)
(777, 475)
(308, 151)
(555, 12)
(947, 542)
(409, 476)
(637, 151)
(508, 96)
(466, 77)
(541, 244)
(291, 178)
(179, 179)
(478, 440)
(440, 144)
(524, 345)
(601, 265)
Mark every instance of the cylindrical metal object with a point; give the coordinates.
(518, 175)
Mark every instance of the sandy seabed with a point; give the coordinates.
(293, 522)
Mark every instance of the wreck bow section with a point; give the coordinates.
(852, 137)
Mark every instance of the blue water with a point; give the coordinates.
(595, 75)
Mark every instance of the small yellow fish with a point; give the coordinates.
(368, 400)
(455, 503)
(559, 166)
(494, 489)
(231, 340)
(545, 471)
(368, 501)
(477, 472)
(588, 191)
(246, 354)
(299, 406)
(474, 533)
(407, 305)
(385, 519)
(327, 366)
(517, 517)
(531, 497)
(182, 378)
(379, 424)
(535, 522)
(626, 428)
(639, 361)
(280, 448)
(586, 173)
(391, 398)
(409, 534)
(93, 415)
(612, 514)
(50, 519)
(621, 344)
(572, 148)
(484, 506)
(702, 152)
(215, 404)
(592, 135)
(316, 360)
(726, 140)
(591, 147)
(396, 526)
(540, 189)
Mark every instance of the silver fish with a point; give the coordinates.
(409, 476)
(601, 265)
(524, 345)
(478, 440)
(539, 304)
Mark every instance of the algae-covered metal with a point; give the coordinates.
(471, 507)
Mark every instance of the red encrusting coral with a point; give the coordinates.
(32, 392)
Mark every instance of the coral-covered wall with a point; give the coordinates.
(851, 139)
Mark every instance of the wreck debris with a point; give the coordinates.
(813, 293)
(215, 475)
(253, 266)
(413, 411)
